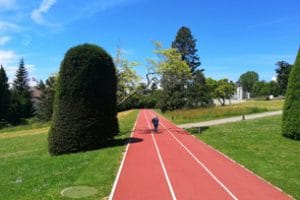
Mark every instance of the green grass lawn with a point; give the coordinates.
(29, 172)
(204, 114)
(259, 145)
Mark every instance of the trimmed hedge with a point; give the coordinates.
(85, 109)
(291, 112)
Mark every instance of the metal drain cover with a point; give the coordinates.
(77, 192)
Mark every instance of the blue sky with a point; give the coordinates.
(232, 36)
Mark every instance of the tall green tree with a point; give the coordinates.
(186, 46)
(174, 72)
(248, 79)
(44, 108)
(4, 97)
(195, 89)
(21, 99)
(291, 110)
(283, 71)
(85, 105)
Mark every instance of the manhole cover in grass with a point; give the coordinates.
(77, 192)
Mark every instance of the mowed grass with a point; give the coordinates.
(259, 145)
(27, 171)
(217, 112)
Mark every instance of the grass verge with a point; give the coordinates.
(205, 114)
(29, 172)
(259, 146)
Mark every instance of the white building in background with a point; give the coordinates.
(240, 94)
(238, 97)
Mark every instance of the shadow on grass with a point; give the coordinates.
(197, 130)
(108, 144)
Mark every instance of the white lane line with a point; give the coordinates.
(201, 164)
(122, 163)
(161, 161)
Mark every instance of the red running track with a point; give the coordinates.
(172, 164)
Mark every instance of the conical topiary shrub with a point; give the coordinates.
(85, 112)
(291, 110)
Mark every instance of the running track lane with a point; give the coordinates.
(172, 164)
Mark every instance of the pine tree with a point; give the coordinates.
(21, 106)
(44, 106)
(186, 45)
(291, 110)
(4, 97)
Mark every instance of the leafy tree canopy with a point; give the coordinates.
(248, 79)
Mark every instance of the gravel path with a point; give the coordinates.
(229, 120)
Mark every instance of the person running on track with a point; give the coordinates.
(155, 122)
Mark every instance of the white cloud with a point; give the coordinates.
(37, 14)
(8, 61)
(6, 26)
(7, 57)
(4, 40)
(8, 4)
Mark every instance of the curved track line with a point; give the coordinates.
(161, 161)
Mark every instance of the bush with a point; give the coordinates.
(85, 112)
(291, 110)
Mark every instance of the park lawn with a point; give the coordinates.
(217, 112)
(260, 147)
(29, 172)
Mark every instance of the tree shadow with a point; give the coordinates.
(122, 141)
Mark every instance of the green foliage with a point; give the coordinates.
(186, 46)
(263, 89)
(127, 78)
(198, 92)
(291, 111)
(174, 75)
(44, 108)
(248, 79)
(4, 97)
(170, 62)
(21, 97)
(283, 71)
(221, 89)
(85, 109)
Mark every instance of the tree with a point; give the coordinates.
(283, 71)
(44, 108)
(4, 97)
(126, 76)
(85, 105)
(258, 89)
(197, 89)
(21, 97)
(248, 79)
(221, 89)
(263, 88)
(291, 110)
(174, 73)
(186, 46)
